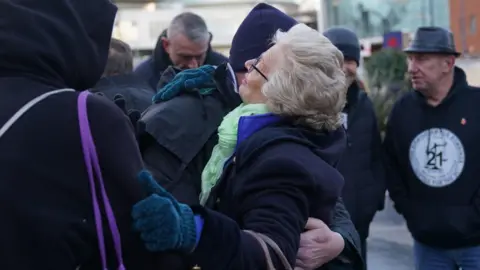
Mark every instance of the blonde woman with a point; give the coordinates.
(272, 168)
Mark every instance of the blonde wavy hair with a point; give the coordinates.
(308, 84)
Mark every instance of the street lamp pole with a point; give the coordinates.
(384, 21)
(422, 12)
(431, 12)
(320, 15)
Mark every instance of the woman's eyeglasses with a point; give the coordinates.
(254, 67)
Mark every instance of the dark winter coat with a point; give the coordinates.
(177, 136)
(361, 165)
(47, 216)
(137, 93)
(152, 69)
(279, 176)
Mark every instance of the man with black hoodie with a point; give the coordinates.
(432, 152)
(184, 45)
(177, 137)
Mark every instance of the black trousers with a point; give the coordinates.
(363, 231)
(363, 228)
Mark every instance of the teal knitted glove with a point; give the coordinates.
(163, 222)
(197, 79)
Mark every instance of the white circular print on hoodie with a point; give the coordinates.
(437, 157)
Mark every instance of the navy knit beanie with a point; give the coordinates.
(254, 36)
(346, 41)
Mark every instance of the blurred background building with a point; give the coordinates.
(378, 23)
(464, 24)
(372, 19)
(464, 16)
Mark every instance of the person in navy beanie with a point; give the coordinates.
(346, 41)
(361, 164)
(255, 34)
(338, 247)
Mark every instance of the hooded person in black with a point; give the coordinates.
(432, 152)
(185, 44)
(47, 215)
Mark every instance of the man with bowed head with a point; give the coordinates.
(184, 45)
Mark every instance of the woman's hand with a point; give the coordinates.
(163, 222)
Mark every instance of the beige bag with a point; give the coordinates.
(266, 241)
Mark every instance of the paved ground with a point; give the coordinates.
(389, 244)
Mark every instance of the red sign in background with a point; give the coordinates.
(393, 40)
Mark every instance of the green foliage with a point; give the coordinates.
(385, 67)
(386, 78)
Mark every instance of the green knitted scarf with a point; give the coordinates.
(227, 140)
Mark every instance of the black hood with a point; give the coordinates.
(459, 83)
(61, 43)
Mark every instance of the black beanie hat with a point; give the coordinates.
(254, 36)
(346, 41)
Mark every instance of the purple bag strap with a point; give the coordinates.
(93, 166)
